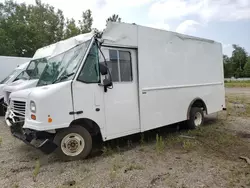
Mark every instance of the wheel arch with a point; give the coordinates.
(89, 124)
(197, 102)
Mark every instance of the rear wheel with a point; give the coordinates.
(196, 118)
(73, 143)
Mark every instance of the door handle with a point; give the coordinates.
(77, 113)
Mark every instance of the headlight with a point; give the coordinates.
(33, 106)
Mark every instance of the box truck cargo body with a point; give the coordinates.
(132, 79)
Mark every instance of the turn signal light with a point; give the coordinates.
(49, 120)
(33, 117)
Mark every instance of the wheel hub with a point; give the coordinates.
(198, 119)
(72, 144)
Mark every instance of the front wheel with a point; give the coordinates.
(73, 143)
(196, 118)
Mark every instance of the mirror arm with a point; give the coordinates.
(104, 87)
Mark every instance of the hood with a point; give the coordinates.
(38, 92)
(1, 90)
(23, 66)
(20, 84)
(21, 94)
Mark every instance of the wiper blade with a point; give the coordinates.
(63, 77)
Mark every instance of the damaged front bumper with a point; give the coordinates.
(45, 145)
(38, 139)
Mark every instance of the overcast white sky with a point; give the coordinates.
(226, 21)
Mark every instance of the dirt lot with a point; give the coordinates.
(207, 157)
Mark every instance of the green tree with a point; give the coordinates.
(247, 68)
(228, 69)
(239, 58)
(86, 22)
(71, 29)
(25, 28)
(114, 18)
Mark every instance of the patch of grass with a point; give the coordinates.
(107, 151)
(238, 105)
(1, 141)
(112, 175)
(159, 144)
(211, 139)
(189, 144)
(36, 170)
(15, 186)
(117, 164)
(237, 83)
(215, 139)
(142, 142)
(134, 167)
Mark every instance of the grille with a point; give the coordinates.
(18, 108)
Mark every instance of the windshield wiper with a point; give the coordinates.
(60, 78)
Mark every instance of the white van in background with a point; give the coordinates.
(32, 73)
(13, 76)
(9, 63)
(131, 80)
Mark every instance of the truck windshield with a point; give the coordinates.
(5, 80)
(34, 70)
(63, 66)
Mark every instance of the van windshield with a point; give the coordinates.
(34, 69)
(63, 66)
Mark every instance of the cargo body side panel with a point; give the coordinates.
(174, 69)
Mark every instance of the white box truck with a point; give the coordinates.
(132, 79)
(9, 79)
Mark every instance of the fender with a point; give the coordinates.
(200, 103)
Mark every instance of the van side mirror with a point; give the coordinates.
(107, 82)
(103, 69)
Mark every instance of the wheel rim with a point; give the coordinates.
(72, 144)
(198, 119)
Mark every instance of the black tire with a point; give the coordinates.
(194, 112)
(80, 131)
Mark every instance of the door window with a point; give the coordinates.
(119, 64)
(90, 70)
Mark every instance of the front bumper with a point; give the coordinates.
(39, 140)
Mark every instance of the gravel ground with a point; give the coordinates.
(134, 162)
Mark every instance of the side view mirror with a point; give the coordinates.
(103, 69)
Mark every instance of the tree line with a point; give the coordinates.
(238, 65)
(25, 27)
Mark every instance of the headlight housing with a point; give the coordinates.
(33, 106)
